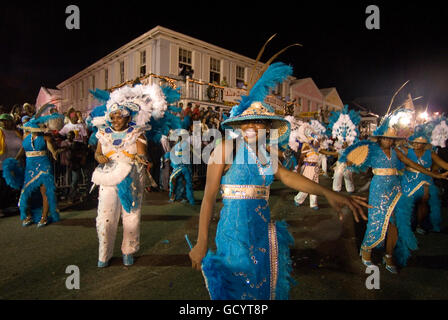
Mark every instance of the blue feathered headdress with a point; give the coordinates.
(35, 122)
(253, 107)
(100, 95)
(274, 75)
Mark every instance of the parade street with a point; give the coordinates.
(326, 263)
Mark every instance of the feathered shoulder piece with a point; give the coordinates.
(343, 125)
(171, 95)
(275, 74)
(358, 155)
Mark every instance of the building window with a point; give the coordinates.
(121, 71)
(81, 89)
(309, 105)
(239, 77)
(185, 66)
(299, 101)
(106, 78)
(215, 70)
(142, 63)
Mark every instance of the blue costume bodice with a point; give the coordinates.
(247, 169)
(34, 165)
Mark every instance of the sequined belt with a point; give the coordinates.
(385, 171)
(415, 171)
(36, 153)
(311, 164)
(232, 191)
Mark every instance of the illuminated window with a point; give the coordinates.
(215, 70)
(106, 78)
(121, 71)
(142, 63)
(239, 76)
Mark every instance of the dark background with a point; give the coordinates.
(37, 49)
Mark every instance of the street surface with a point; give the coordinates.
(325, 255)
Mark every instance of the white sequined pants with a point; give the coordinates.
(312, 173)
(109, 211)
(323, 162)
(341, 173)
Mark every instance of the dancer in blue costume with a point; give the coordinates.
(389, 218)
(252, 260)
(37, 203)
(181, 181)
(419, 188)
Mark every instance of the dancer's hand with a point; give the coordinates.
(338, 201)
(443, 175)
(196, 255)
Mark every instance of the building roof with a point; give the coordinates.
(155, 33)
(327, 91)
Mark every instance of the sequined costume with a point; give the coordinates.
(311, 170)
(413, 183)
(182, 174)
(389, 204)
(252, 260)
(38, 171)
(342, 174)
(121, 191)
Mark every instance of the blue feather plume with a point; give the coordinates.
(100, 95)
(274, 75)
(171, 95)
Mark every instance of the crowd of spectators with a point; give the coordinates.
(75, 157)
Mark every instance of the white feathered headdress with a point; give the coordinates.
(140, 102)
(343, 126)
(440, 133)
(302, 132)
(294, 136)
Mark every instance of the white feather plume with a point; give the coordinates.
(145, 100)
(439, 135)
(344, 130)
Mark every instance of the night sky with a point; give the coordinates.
(339, 51)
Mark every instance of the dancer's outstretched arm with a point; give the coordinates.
(439, 161)
(337, 201)
(418, 167)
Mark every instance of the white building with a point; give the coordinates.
(163, 53)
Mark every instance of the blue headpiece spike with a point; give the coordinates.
(274, 75)
(100, 95)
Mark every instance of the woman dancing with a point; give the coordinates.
(389, 217)
(252, 260)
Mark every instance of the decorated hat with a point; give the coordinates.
(35, 124)
(6, 116)
(253, 107)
